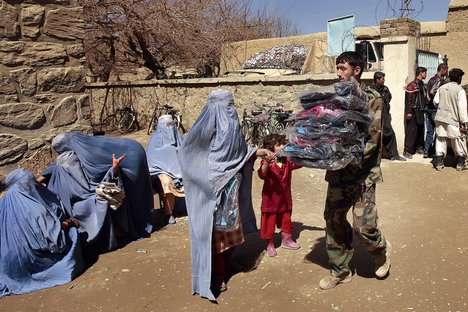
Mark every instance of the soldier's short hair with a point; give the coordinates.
(352, 58)
(378, 75)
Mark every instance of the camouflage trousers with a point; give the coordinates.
(339, 233)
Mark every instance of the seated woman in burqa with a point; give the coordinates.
(86, 179)
(39, 245)
(163, 164)
(94, 205)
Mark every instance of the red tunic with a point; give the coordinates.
(276, 193)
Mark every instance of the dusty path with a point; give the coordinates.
(424, 213)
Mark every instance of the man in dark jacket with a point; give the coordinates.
(415, 100)
(432, 86)
(389, 138)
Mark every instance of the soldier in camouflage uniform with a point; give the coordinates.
(354, 187)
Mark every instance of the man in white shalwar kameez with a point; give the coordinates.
(451, 119)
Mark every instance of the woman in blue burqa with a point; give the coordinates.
(88, 180)
(39, 245)
(163, 164)
(216, 160)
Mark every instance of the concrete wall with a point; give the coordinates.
(400, 39)
(41, 78)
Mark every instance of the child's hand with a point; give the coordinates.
(266, 154)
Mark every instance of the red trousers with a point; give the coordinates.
(272, 219)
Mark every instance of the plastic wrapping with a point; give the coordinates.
(330, 132)
(351, 102)
(330, 155)
(335, 163)
(313, 98)
(329, 113)
(349, 86)
(290, 56)
(348, 132)
(226, 216)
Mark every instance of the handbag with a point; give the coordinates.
(226, 215)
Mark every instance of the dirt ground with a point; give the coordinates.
(424, 213)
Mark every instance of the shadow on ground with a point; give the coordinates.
(361, 264)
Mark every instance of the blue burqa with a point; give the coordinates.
(212, 153)
(35, 253)
(94, 158)
(78, 194)
(161, 150)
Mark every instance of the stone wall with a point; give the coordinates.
(189, 96)
(41, 77)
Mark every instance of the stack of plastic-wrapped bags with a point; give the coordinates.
(281, 57)
(331, 130)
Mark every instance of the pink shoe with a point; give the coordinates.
(287, 241)
(271, 249)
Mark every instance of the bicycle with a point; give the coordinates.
(279, 120)
(254, 127)
(124, 119)
(165, 110)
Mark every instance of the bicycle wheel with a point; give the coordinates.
(108, 124)
(258, 132)
(246, 131)
(126, 122)
(254, 135)
(180, 125)
(182, 128)
(275, 126)
(152, 124)
(263, 130)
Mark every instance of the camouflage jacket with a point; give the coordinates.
(368, 171)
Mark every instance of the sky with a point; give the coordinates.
(311, 16)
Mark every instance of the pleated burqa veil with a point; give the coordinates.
(35, 253)
(94, 154)
(161, 150)
(212, 153)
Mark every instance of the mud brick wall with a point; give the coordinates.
(402, 26)
(41, 78)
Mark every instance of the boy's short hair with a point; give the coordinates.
(273, 139)
(456, 74)
(352, 58)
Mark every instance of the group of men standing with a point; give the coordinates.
(434, 115)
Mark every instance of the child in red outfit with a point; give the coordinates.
(276, 196)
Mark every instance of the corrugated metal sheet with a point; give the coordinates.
(427, 59)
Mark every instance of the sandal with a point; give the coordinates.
(223, 287)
